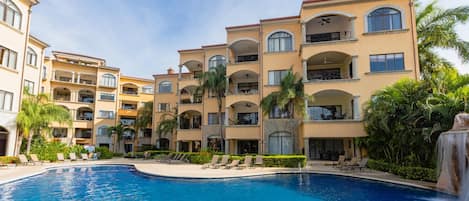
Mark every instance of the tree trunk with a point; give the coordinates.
(221, 124)
(135, 140)
(19, 142)
(30, 139)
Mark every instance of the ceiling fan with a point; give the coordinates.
(324, 20)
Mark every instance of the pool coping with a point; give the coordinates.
(250, 175)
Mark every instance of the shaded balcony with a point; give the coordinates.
(330, 66)
(86, 96)
(86, 133)
(84, 114)
(127, 121)
(63, 76)
(243, 83)
(329, 27)
(130, 89)
(190, 120)
(85, 79)
(333, 105)
(62, 94)
(243, 113)
(59, 132)
(191, 95)
(244, 51)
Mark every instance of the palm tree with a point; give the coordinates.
(119, 130)
(168, 124)
(290, 98)
(214, 82)
(37, 112)
(436, 29)
(144, 119)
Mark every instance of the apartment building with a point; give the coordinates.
(134, 93)
(343, 50)
(20, 59)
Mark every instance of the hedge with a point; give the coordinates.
(48, 150)
(9, 160)
(105, 153)
(291, 161)
(414, 173)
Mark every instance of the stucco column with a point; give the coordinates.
(227, 110)
(180, 71)
(356, 107)
(73, 77)
(78, 77)
(227, 86)
(178, 143)
(303, 32)
(305, 70)
(190, 146)
(53, 75)
(306, 117)
(306, 147)
(227, 146)
(227, 55)
(354, 67)
(352, 28)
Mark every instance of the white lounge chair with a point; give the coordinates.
(73, 156)
(24, 160)
(35, 159)
(212, 163)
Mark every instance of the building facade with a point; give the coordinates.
(343, 50)
(20, 58)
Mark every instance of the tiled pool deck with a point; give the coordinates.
(151, 167)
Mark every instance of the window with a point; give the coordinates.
(277, 113)
(31, 57)
(247, 118)
(147, 132)
(216, 61)
(103, 130)
(163, 107)
(325, 112)
(10, 14)
(29, 85)
(106, 114)
(6, 100)
(276, 76)
(213, 118)
(280, 42)
(7, 57)
(165, 87)
(387, 62)
(44, 72)
(42, 89)
(59, 132)
(147, 89)
(384, 19)
(107, 96)
(108, 80)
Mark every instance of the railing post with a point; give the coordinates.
(356, 108)
(354, 67)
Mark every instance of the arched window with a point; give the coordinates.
(216, 61)
(103, 130)
(165, 87)
(384, 19)
(108, 80)
(10, 13)
(147, 89)
(280, 42)
(31, 57)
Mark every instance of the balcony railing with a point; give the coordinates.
(83, 135)
(85, 117)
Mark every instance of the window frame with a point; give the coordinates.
(390, 23)
(273, 83)
(164, 92)
(10, 7)
(107, 94)
(3, 95)
(27, 83)
(216, 60)
(110, 114)
(6, 54)
(108, 80)
(30, 55)
(386, 68)
(167, 107)
(278, 40)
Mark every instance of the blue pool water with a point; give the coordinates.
(124, 183)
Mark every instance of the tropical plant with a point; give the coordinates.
(168, 124)
(37, 112)
(436, 29)
(144, 119)
(214, 82)
(291, 97)
(119, 131)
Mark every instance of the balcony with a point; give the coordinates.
(62, 94)
(127, 121)
(329, 28)
(334, 129)
(189, 135)
(334, 106)
(243, 86)
(124, 112)
(86, 96)
(245, 132)
(59, 132)
(74, 78)
(130, 89)
(84, 114)
(83, 133)
(190, 120)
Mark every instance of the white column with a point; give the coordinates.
(306, 147)
(227, 56)
(226, 116)
(178, 143)
(303, 32)
(306, 117)
(53, 75)
(227, 86)
(305, 70)
(356, 108)
(78, 77)
(354, 67)
(73, 77)
(227, 146)
(180, 71)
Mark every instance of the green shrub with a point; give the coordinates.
(118, 154)
(9, 159)
(291, 161)
(201, 158)
(415, 173)
(105, 153)
(48, 150)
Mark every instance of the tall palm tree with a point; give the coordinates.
(37, 112)
(214, 82)
(118, 130)
(290, 98)
(168, 124)
(436, 29)
(144, 119)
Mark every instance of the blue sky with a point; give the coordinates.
(142, 36)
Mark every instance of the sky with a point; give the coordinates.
(141, 37)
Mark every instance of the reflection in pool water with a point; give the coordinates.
(124, 183)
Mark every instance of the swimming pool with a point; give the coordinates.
(125, 183)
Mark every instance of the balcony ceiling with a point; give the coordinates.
(328, 58)
(244, 47)
(241, 75)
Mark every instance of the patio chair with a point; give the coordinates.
(35, 159)
(165, 157)
(24, 160)
(350, 164)
(259, 160)
(233, 163)
(85, 157)
(60, 157)
(362, 164)
(212, 163)
(73, 156)
(247, 162)
(223, 162)
(184, 158)
(341, 162)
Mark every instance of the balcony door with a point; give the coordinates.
(281, 143)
